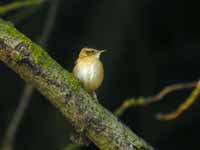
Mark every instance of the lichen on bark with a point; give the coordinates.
(64, 91)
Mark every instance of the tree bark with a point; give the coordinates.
(64, 91)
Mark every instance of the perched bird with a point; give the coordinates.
(89, 69)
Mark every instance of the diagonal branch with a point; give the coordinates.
(60, 87)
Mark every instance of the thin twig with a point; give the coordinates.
(21, 15)
(29, 89)
(141, 101)
(184, 106)
(15, 121)
(50, 22)
(171, 88)
(19, 4)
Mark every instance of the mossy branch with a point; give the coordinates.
(60, 87)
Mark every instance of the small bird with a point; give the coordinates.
(89, 69)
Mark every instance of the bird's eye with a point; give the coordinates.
(89, 52)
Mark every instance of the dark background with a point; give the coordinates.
(150, 44)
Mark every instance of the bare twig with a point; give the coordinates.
(29, 89)
(169, 89)
(129, 103)
(184, 106)
(21, 15)
(15, 121)
(141, 101)
(50, 22)
(19, 4)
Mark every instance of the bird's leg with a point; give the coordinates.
(95, 95)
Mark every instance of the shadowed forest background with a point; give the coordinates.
(150, 44)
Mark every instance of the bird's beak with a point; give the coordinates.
(100, 52)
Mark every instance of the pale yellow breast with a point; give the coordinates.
(90, 72)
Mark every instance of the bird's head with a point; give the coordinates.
(86, 52)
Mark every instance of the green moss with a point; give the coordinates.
(9, 33)
(48, 63)
(36, 53)
(18, 57)
(73, 81)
